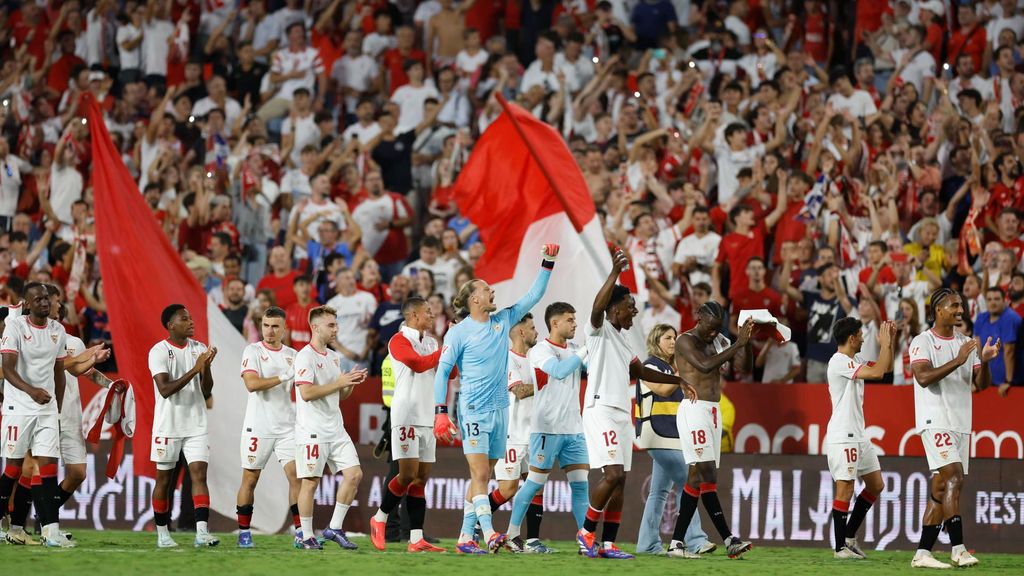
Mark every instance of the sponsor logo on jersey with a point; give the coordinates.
(28, 337)
(170, 354)
(264, 358)
(319, 365)
(938, 347)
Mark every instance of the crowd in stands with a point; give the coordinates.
(815, 158)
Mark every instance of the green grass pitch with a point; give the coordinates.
(111, 552)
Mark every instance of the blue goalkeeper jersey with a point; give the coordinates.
(480, 350)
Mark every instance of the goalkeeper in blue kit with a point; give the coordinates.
(477, 345)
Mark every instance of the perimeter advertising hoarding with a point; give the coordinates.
(771, 499)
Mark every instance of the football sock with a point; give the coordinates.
(860, 509)
(496, 499)
(161, 515)
(392, 497)
(534, 514)
(7, 481)
(201, 504)
(37, 499)
(244, 516)
(468, 523)
(955, 528)
(521, 505)
(928, 536)
(22, 502)
(338, 518)
(709, 496)
(691, 497)
(611, 526)
(306, 524)
(483, 515)
(840, 509)
(63, 496)
(580, 502)
(591, 519)
(296, 520)
(416, 503)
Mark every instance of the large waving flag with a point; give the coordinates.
(523, 189)
(143, 273)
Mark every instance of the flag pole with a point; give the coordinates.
(588, 246)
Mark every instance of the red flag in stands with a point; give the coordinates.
(523, 189)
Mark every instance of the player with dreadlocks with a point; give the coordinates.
(700, 354)
(947, 367)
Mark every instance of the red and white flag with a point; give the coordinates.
(523, 189)
(142, 274)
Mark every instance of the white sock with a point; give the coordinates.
(380, 516)
(958, 549)
(338, 518)
(202, 527)
(415, 536)
(532, 540)
(49, 531)
(513, 531)
(676, 544)
(608, 545)
(162, 531)
(306, 522)
(15, 528)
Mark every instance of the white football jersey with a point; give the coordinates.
(946, 404)
(183, 414)
(71, 408)
(610, 357)
(318, 421)
(413, 400)
(847, 393)
(269, 413)
(37, 348)
(557, 406)
(520, 412)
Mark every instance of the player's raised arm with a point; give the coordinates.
(688, 350)
(540, 285)
(604, 295)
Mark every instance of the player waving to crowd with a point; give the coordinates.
(477, 345)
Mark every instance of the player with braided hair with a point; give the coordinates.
(947, 367)
(700, 354)
(607, 424)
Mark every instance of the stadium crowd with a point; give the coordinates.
(815, 158)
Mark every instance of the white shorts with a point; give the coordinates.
(256, 451)
(312, 459)
(413, 442)
(609, 434)
(700, 431)
(72, 445)
(944, 447)
(164, 452)
(851, 460)
(38, 433)
(515, 464)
